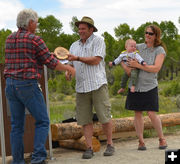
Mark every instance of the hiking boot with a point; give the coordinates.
(109, 150)
(141, 146)
(162, 143)
(88, 154)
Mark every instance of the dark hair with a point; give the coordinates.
(157, 32)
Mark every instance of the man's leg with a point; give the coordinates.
(107, 128)
(103, 111)
(17, 123)
(88, 133)
(84, 117)
(37, 107)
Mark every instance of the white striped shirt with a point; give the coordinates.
(89, 77)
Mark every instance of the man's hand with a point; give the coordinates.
(68, 76)
(72, 57)
(110, 64)
(70, 73)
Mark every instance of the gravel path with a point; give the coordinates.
(126, 153)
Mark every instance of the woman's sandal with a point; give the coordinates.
(141, 146)
(162, 143)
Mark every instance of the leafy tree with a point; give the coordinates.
(111, 45)
(73, 26)
(169, 31)
(3, 36)
(65, 40)
(113, 49)
(117, 72)
(169, 37)
(138, 35)
(49, 29)
(123, 31)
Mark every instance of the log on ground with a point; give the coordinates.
(64, 131)
(80, 144)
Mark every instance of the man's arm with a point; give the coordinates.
(65, 67)
(95, 60)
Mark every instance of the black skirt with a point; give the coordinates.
(143, 101)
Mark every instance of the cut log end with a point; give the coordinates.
(80, 144)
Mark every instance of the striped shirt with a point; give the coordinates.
(25, 54)
(89, 77)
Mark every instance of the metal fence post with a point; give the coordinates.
(48, 109)
(3, 149)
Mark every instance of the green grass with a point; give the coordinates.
(166, 130)
(63, 107)
(60, 110)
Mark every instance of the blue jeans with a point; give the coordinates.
(23, 94)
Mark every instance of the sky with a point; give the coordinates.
(107, 14)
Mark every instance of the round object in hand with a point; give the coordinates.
(61, 53)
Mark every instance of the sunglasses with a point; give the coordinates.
(149, 33)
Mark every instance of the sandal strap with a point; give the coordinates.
(141, 143)
(162, 139)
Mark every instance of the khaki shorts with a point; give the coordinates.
(99, 99)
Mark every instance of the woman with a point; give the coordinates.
(145, 97)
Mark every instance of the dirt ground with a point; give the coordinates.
(126, 153)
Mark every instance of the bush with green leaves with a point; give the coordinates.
(178, 101)
(173, 89)
(117, 72)
(52, 85)
(60, 85)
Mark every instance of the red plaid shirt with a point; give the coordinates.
(25, 55)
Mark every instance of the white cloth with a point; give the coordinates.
(125, 55)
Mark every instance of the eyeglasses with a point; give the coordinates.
(149, 33)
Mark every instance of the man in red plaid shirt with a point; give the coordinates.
(25, 55)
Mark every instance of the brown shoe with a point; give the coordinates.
(162, 143)
(141, 146)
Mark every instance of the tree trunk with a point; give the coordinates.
(167, 72)
(172, 70)
(176, 71)
(64, 131)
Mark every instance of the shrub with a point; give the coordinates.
(173, 89)
(52, 85)
(178, 101)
